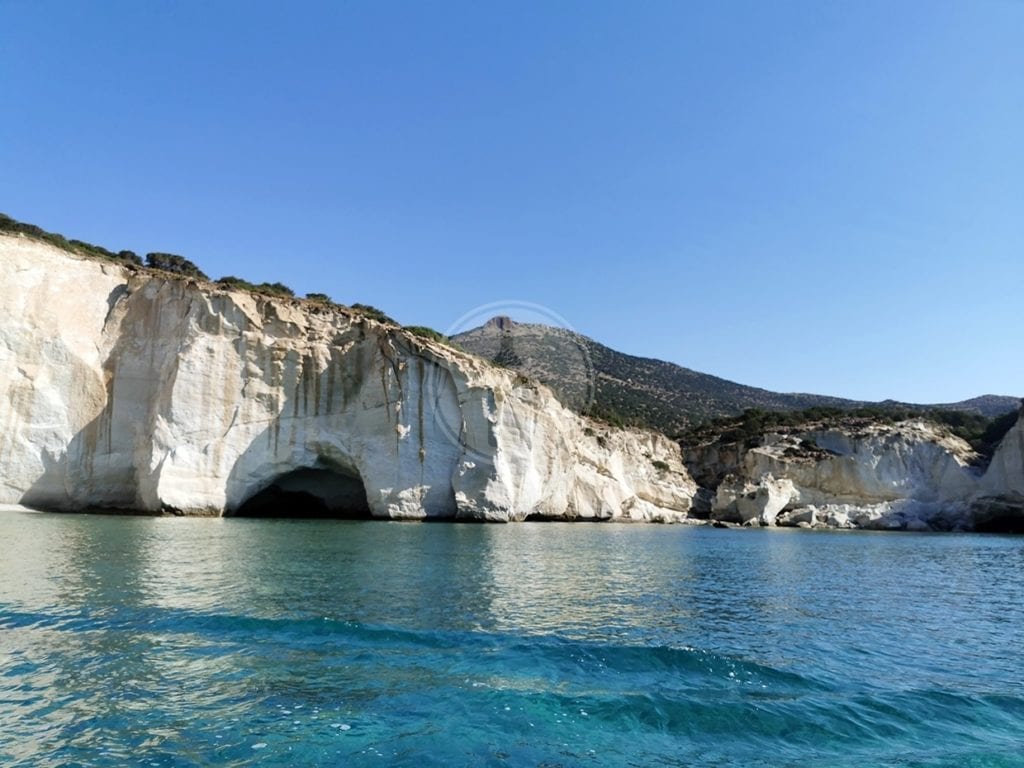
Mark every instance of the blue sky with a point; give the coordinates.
(805, 196)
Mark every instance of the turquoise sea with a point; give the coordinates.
(193, 642)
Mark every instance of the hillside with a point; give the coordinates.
(587, 376)
(618, 387)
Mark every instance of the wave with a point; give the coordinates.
(678, 705)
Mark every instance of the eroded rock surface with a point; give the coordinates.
(906, 476)
(122, 388)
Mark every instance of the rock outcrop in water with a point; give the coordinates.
(127, 389)
(910, 475)
(1000, 502)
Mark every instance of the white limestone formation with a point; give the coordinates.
(906, 476)
(124, 388)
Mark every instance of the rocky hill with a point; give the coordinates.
(624, 389)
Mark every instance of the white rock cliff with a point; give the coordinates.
(911, 475)
(120, 388)
(124, 388)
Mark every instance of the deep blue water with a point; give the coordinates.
(185, 642)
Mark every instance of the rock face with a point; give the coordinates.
(906, 476)
(1001, 503)
(122, 388)
(125, 389)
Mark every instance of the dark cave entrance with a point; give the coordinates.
(1006, 523)
(1000, 514)
(309, 493)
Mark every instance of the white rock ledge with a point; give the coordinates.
(906, 476)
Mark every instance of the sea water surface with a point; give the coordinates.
(188, 642)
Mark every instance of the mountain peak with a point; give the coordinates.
(618, 387)
(501, 322)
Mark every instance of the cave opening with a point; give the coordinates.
(309, 493)
(1009, 522)
(1000, 514)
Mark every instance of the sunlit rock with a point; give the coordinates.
(910, 475)
(124, 388)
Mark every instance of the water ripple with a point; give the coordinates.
(181, 643)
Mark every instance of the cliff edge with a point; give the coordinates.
(124, 388)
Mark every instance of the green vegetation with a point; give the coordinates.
(373, 313)
(89, 249)
(997, 428)
(609, 416)
(171, 262)
(637, 391)
(130, 256)
(427, 333)
(236, 283)
(279, 290)
(7, 224)
(507, 356)
(660, 465)
(275, 289)
(179, 265)
(981, 433)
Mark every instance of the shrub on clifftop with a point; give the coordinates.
(130, 256)
(426, 333)
(275, 289)
(279, 290)
(7, 224)
(170, 262)
(373, 313)
(236, 283)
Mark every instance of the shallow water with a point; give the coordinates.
(184, 642)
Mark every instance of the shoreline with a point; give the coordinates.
(625, 522)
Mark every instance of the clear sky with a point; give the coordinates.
(813, 196)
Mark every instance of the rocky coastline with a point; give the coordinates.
(127, 389)
(134, 390)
